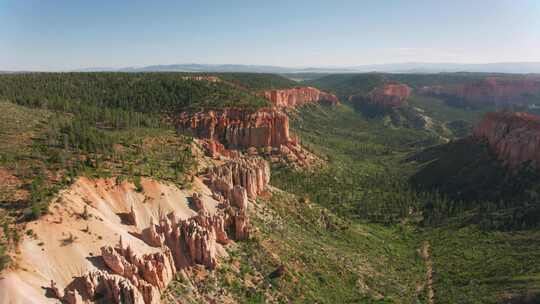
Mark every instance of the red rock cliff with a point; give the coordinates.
(291, 98)
(514, 137)
(390, 95)
(238, 128)
(498, 90)
(251, 173)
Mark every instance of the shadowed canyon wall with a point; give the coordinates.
(513, 137)
(500, 90)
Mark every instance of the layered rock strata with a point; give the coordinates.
(252, 174)
(213, 79)
(491, 90)
(513, 137)
(295, 97)
(238, 128)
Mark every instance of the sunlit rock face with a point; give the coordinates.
(513, 137)
(239, 128)
(253, 174)
(295, 97)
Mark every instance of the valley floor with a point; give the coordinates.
(469, 264)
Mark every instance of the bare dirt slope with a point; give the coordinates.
(90, 214)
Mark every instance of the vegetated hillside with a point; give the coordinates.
(367, 180)
(44, 151)
(466, 169)
(497, 165)
(351, 84)
(419, 111)
(345, 85)
(139, 92)
(258, 81)
(480, 264)
(363, 178)
(421, 80)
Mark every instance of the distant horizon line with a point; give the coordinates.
(351, 67)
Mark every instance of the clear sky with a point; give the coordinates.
(67, 34)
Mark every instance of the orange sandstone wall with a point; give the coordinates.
(513, 137)
(291, 98)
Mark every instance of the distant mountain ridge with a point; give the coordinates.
(411, 67)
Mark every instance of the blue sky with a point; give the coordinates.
(67, 34)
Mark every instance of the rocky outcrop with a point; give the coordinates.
(196, 199)
(262, 132)
(389, 96)
(238, 128)
(500, 90)
(212, 79)
(215, 149)
(72, 297)
(178, 243)
(182, 243)
(146, 276)
(295, 97)
(111, 288)
(253, 174)
(513, 137)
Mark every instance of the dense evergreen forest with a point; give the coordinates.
(138, 92)
(257, 81)
(352, 84)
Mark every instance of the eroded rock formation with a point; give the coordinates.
(391, 95)
(238, 128)
(491, 90)
(141, 279)
(513, 137)
(295, 97)
(202, 78)
(111, 288)
(179, 243)
(253, 174)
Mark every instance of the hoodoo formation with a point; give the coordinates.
(157, 235)
(513, 137)
(253, 174)
(295, 97)
(389, 96)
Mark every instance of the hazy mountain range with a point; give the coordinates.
(410, 67)
(413, 67)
